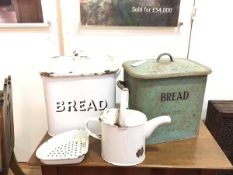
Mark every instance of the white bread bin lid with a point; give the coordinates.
(79, 65)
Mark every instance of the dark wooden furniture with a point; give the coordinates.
(7, 155)
(200, 155)
(219, 121)
(5, 2)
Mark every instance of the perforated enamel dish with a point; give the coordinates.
(65, 148)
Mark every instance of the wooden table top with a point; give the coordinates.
(201, 152)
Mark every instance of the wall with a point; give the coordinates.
(126, 43)
(24, 48)
(211, 45)
(135, 43)
(24, 51)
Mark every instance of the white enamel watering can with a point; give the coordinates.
(123, 133)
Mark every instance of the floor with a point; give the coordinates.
(29, 170)
(7, 14)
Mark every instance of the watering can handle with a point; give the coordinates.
(124, 103)
(165, 54)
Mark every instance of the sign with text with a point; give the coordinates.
(163, 13)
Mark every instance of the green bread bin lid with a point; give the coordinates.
(166, 67)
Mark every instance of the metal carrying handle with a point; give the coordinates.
(165, 54)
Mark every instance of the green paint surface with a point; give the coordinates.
(180, 97)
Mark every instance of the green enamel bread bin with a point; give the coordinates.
(167, 86)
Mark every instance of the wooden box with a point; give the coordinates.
(219, 121)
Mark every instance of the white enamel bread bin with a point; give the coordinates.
(77, 88)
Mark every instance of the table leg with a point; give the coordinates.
(49, 170)
(16, 169)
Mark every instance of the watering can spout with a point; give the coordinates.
(152, 124)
